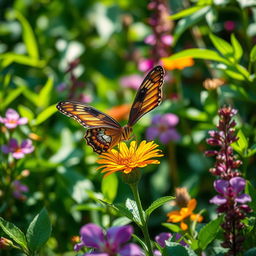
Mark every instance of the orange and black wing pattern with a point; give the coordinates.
(86, 115)
(149, 95)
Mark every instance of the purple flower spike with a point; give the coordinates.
(12, 119)
(17, 151)
(163, 126)
(111, 242)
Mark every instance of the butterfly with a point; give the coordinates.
(103, 132)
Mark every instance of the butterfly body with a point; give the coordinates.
(104, 132)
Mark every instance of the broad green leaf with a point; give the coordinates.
(157, 203)
(199, 54)
(11, 96)
(242, 70)
(14, 233)
(189, 21)
(39, 231)
(223, 47)
(194, 114)
(238, 50)
(241, 145)
(31, 96)
(21, 59)
(177, 249)
(121, 221)
(253, 54)
(209, 232)
(132, 207)
(109, 186)
(45, 114)
(45, 93)
(250, 252)
(28, 36)
(251, 150)
(26, 112)
(122, 210)
(250, 190)
(173, 227)
(186, 12)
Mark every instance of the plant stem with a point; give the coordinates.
(143, 226)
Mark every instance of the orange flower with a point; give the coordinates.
(120, 112)
(127, 159)
(178, 63)
(183, 213)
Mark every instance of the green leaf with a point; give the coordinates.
(26, 112)
(14, 233)
(45, 114)
(186, 12)
(28, 36)
(250, 190)
(251, 150)
(209, 232)
(31, 96)
(109, 186)
(39, 231)
(132, 207)
(121, 221)
(223, 47)
(194, 114)
(195, 53)
(238, 50)
(21, 59)
(122, 210)
(241, 145)
(45, 93)
(173, 227)
(11, 96)
(189, 21)
(157, 203)
(253, 54)
(250, 252)
(177, 249)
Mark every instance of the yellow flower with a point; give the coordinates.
(127, 159)
(178, 63)
(183, 213)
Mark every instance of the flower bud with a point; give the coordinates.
(5, 243)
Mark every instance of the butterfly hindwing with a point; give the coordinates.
(86, 115)
(149, 95)
(103, 139)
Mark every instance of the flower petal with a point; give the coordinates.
(92, 235)
(152, 132)
(131, 250)
(221, 186)
(238, 184)
(218, 200)
(12, 114)
(119, 235)
(162, 237)
(22, 120)
(170, 119)
(244, 198)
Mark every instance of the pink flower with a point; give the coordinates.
(111, 242)
(229, 25)
(145, 64)
(85, 98)
(18, 151)
(12, 119)
(163, 126)
(18, 189)
(167, 40)
(131, 81)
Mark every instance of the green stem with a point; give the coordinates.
(143, 226)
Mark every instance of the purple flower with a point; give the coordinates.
(18, 151)
(163, 127)
(229, 25)
(230, 190)
(18, 189)
(12, 119)
(165, 39)
(145, 64)
(162, 237)
(111, 242)
(131, 81)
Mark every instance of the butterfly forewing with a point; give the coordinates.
(88, 116)
(148, 96)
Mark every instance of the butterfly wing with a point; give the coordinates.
(149, 95)
(103, 131)
(103, 139)
(86, 115)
